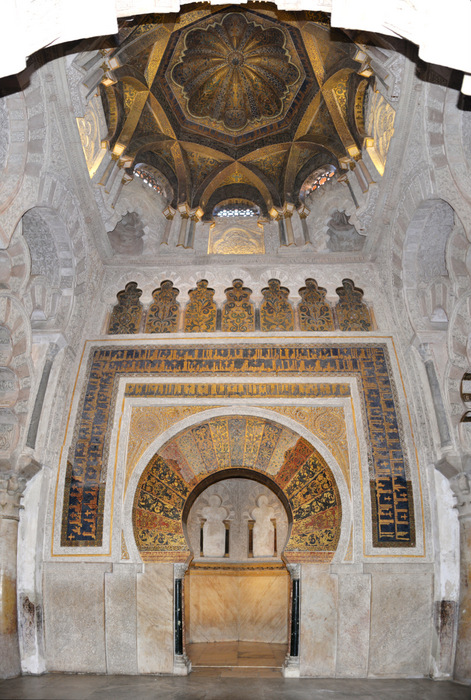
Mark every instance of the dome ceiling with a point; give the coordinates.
(236, 74)
(225, 102)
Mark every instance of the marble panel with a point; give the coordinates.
(263, 607)
(401, 622)
(211, 607)
(121, 619)
(318, 621)
(353, 625)
(236, 605)
(155, 619)
(74, 609)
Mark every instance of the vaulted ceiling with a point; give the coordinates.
(235, 103)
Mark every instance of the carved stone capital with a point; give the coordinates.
(14, 475)
(12, 486)
(27, 467)
(179, 570)
(294, 571)
(461, 487)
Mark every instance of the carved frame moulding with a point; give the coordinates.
(166, 388)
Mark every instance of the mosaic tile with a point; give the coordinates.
(315, 313)
(200, 311)
(352, 313)
(276, 313)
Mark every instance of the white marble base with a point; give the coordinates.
(290, 668)
(181, 665)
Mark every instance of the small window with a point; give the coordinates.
(316, 179)
(148, 178)
(232, 208)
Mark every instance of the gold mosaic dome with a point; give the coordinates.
(236, 71)
(229, 103)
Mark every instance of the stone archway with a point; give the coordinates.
(263, 446)
(267, 453)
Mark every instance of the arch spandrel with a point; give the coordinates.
(260, 448)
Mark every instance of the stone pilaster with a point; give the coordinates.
(11, 490)
(461, 486)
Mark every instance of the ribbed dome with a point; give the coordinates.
(235, 72)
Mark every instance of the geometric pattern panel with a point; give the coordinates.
(391, 489)
(248, 442)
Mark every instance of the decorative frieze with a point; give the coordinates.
(238, 314)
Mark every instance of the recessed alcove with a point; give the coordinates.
(237, 588)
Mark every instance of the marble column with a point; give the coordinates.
(461, 486)
(289, 227)
(291, 664)
(11, 490)
(304, 212)
(181, 662)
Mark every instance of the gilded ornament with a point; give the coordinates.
(164, 311)
(311, 487)
(235, 72)
(200, 312)
(276, 313)
(352, 313)
(315, 313)
(126, 315)
(238, 315)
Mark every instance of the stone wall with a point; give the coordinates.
(104, 610)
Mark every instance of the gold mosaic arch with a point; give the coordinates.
(260, 445)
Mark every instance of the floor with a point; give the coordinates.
(226, 671)
(237, 659)
(58, 686)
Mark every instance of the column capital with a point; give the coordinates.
(461, 487)
(13, 483)
(169, 212)
(179, 570)
(12, 486)
(294, 571)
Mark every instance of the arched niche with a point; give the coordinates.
(427, 284)
(254, 513)
(272, 452)
(52, 266)
(237, 587)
